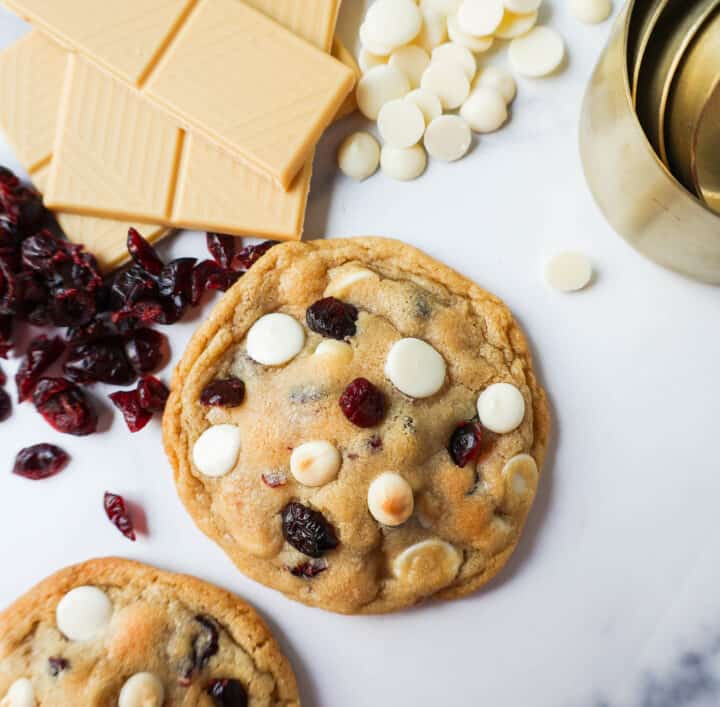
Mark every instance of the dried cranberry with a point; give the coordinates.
(222, 249)
(39, 251)
(57, 665)
(9, 295)
(204, 645)
(309, 569)
(143, 253)
(72, 307)
(226, 692)
(362, 403)
(145, 349)
(99, 361)
(175, 280)
(6, 324)
(40, 461)
(332, 318)
(465, 443)
(153, 394)
(249, 255)
(128, 402)
(208, 275)
(64, 406)
(307, 530)
(155, 311)
(5, 405)
(226, 392)
(222, 280)
(130, 286)
(273, 479)
(116, 511)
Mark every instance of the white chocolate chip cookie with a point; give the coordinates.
(392, 458)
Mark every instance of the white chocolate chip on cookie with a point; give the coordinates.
(216, 450)
(20, 694)
(275, 339)
(337, 350)
(415, 368)
(501, 408)
(142, 690)
(390, 499)
(342, 279)
(83, 613)
(315, 463)
(520, 475)
(431, 564)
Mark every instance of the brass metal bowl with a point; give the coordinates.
(637, 193)
(706, 152)
(643, 15)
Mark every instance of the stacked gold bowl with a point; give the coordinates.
(650, 133)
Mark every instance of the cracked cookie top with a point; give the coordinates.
(358, 426)
(116, 632)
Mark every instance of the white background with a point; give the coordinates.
(616, 579)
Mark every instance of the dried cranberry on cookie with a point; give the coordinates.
(388, 442)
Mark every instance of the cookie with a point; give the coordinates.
(387, 442)
(116, 632)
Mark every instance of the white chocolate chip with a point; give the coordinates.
(412, 61)
(367, 60)
(591, 12)
(427, 102)
(485, 110)
(474, 44)
(522, 6)
(392, 23)
(445, 7)
(434, 29)
(448, 138)
(20, 694)
(315, 463)
(520, 474)
(83, 613)
(499, 79)
(275, 339)
(537, 53)
(456, 54)
(337, 350)
(142, 690)
(359, 156)
(480, 18)
(342, 280)
(401, 123)
(216, 450)
(415, 368)
(447, 80)
(390, 499)
(501, 408)
(378, 86)
(568, 272)
(515, 25)
(403, 163)
(429, 561)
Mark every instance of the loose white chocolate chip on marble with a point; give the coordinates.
(485, 110)
(448, 138)
(499, 79)
(515, 25)
(520, 474)
(390, 499)
(367, 60)
(568, 272)
(448, 81)
(501, 408)
(434, 29)
(275, 339)
(457, 54)
(342, 280)
(445, 7)
(403, 163)
(401, 123)
(415, 368)
(315, 463)
(83, 613)
(474, 44)
(359, 156)
(480, 18)
(428, 563)
(427, 102)
(142, 690)
(378, 86)
(412, 61)
(337, 350)
(20, 694)
(373, 46)
(537, 53)
(392, 23)
(216, 450)
(522, 6)
(591, 12)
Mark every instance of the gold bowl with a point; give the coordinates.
(706, 152)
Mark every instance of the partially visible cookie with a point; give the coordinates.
(358, 426)
(116, 632)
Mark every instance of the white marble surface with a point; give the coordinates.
(612, 597)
